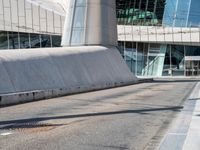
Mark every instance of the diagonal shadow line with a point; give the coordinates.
(140, 111)
(194, 99)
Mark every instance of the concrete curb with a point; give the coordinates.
(30, 96)
(175, 137)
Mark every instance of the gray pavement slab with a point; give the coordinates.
(134, 117)
(193, 136)
(184, 132)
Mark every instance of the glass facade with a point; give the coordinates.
(38, 16)
(149, 59)
(182, 13)
(140, 12)
(143, 58)
(176, 13)
(174, 61)
(3, 40)
(154, 59)
(16, 40)
(194, 12)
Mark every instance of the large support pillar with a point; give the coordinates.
(90, 22)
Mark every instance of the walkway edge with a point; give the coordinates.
(179, 128)
(30, 96)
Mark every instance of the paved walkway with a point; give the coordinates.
(124, 118)
(184, 133)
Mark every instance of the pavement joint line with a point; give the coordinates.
(179, 143)
(163, 132)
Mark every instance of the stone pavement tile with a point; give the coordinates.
(184, 133)
(192, 141)
(173, 142)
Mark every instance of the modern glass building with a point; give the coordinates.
(30, 23)
(155, 37)
(160, 37)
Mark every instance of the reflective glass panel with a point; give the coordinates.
(194, 16)
(35, 40)
(24, 40)
(56, 41)
(45, 40)
(13, 40)
(140, 12)
(3, 40)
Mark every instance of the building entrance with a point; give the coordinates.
(192, 67)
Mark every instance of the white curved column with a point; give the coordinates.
(90, 22)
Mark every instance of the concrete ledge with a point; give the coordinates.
(35, 74)
(24, 97)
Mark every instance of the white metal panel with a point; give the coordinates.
(155, 34)
(50, 22)
(159, 34)
(121, 33)
(29, 21)
(49, 5)
(144, 33)
(1, 15)
(36, 20)
(21, 10)
(186, 35)
(168, 32)
(26, 16)
(57, 23)
(128, 33)
(137, 33)
(1, 7)
(14, 15)
(152, 34)
(62, 24)
(177, 34)
(7, 14)
(43, 20)
(6, 3)
(195, 33)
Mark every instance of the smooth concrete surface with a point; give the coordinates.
(90, 22)
(43, 73)
(125, 118)
(193, 136)
(184, 133)
(164, 35)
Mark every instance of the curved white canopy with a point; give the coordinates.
(58, 6)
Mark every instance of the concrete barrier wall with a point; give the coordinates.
(34, 74)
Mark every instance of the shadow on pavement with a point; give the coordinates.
(194, 99)
(11, 123)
